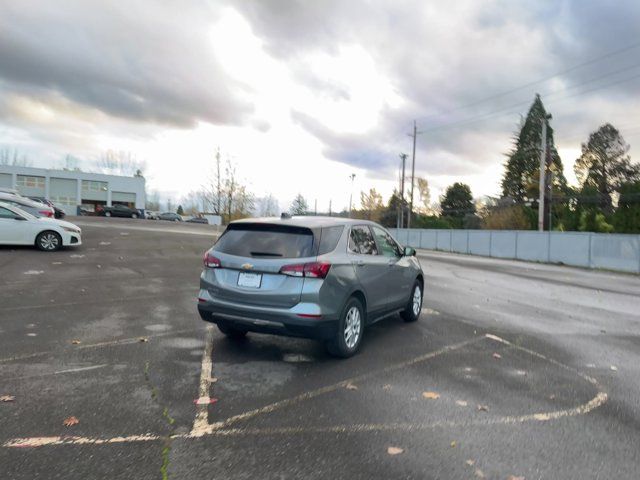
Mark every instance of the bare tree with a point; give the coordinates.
(121, 163)
(267, 206)
(13, 158)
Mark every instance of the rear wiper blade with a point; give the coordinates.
(265, 254)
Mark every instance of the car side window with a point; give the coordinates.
(388, 246)
(361, 241)
(6, 213)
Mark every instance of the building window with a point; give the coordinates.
(61, 200)
(31, 182)
(91, 186)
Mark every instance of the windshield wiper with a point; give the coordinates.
(265, 254)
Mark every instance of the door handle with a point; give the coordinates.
(359, 263)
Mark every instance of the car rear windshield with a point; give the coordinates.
(266, 241)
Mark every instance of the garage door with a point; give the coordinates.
(123, 197)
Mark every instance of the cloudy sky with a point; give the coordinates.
(300, 94)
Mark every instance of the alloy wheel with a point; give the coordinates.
(352, 327)
(49, 241)
(416, 302)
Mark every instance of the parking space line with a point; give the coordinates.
(204, 388)
(110, 343)
(202, 428)
(206, 429)
(59, 372)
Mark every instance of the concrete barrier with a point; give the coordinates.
(619, 252)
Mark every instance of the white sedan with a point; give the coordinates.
(18, 227)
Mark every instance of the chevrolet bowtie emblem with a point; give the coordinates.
(247, 266)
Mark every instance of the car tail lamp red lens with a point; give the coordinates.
(312, 270)
(210, 261)
(46, 213)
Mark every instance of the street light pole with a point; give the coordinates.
(352, 176)
(543, 169)
(413, 172)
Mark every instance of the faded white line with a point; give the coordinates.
(182, 231)
(207, 429)
(218, 429)
(204, 390)
(59, 372)
(110, 343)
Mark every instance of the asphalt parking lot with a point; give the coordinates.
(514, 369)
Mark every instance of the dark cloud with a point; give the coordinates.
(142, 60)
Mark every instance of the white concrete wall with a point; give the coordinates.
(592, 250)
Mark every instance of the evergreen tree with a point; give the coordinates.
(299, 205)
(180, 210)
(522, 169)
(457, 201)
(605, 165)
(627, 216)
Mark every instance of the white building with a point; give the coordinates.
(71, 189)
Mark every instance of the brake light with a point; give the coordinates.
(46, 213)
(210, 261)
(312, 270)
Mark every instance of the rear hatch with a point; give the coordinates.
(251, 256)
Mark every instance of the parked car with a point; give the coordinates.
(151, 215)
(18, 227)
(170, 216)
(57, 211)
(316, 277)
(198, 220)
(118, 211)
(34, 208)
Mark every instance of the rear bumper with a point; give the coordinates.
(274, 321)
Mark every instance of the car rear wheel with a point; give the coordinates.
(232, 332)
(49, 241)
(350, 330)
(107, 214)
(134, 215)
(412, 311)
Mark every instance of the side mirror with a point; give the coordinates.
(409, 252)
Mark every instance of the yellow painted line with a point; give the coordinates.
(204, 390)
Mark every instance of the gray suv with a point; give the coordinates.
(315, 277)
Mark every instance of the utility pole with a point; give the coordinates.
(329, 207)
(403, 156)
(543, 169)
(413, 172)
(352, 176)
(315, 207)
(550, 200)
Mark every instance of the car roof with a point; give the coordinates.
(13, 208)
(19, 199)
(306, 221)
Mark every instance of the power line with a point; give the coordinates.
(530, 84)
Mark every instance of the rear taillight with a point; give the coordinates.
(210, 261)
(312, 270)
(46, 213)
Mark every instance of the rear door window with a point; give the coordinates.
(361, 241)
(266, 241)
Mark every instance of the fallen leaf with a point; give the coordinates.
(461, 403)
(70, 421)
(453, 444)
(213, 379)
(75, 342)
(497, 356)
(470, 462)
(431, 395)
(552, 397)
(143, 339)
(351, 386)
(483, 408)
(7, 398)
(513, 477)
(614, 368)
(386, 387)
(479, 473)
(394, 450)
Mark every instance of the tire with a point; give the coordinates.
(351, 323)
(414, 306)
(49, 241)
(232, 332)
(134, 215)
(107, 214)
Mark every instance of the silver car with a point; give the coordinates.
(315, 277)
